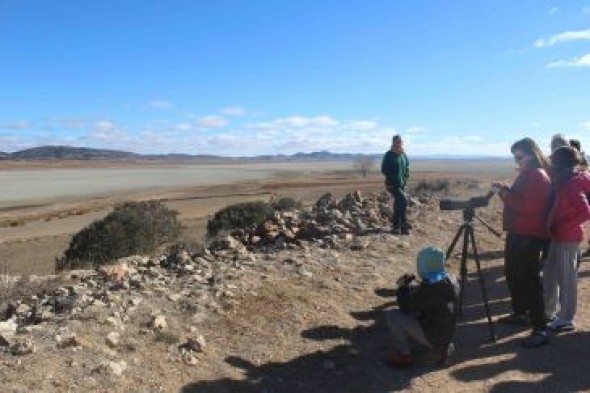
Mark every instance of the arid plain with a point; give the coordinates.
(296, 319)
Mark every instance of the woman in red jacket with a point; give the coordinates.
(525, 206)
(568, 212)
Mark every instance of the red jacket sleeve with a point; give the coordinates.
(533, 196)
(578, 205)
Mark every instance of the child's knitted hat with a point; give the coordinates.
(431, 264)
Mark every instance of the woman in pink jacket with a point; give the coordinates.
(569, 210)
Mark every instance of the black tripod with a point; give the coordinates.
(469, 237)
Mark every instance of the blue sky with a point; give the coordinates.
(243, 78)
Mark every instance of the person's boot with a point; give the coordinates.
(515, 319)
(405, 228)
(538, 338)
(442, 353)
(396, 226)
(399, 360)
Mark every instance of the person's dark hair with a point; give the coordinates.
(557, 141)
(396, 137)
(565, 157)
(576, 144)
(530, 148)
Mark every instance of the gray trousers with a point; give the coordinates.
(404, 327)
(560, 285)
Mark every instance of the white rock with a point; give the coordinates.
(113, 368)
(158, 322)
(305, 273)
(112, 339)
(174, 297)
(8, 327)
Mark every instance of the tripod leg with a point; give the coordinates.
(471, 233)
(454, 242)
(463, 268)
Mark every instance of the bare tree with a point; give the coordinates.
(364, 165)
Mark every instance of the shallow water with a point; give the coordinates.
(24, 187)
(27, 186)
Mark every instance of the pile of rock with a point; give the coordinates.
(112, 294)
(328, 220)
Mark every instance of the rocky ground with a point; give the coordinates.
(294, 305)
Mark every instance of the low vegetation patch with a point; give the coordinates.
(285, 203)
(239, 216)
(131, 228)
(432, 186)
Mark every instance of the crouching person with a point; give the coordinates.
(426, 314)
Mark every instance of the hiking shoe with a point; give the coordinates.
(442, 353)
(405, 231)
(514, 319)
(398, 360)
(558, 326)
(537, 339)
(550, 320)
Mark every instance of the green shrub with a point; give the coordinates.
(285, 203)
(241, 215)
(431, 186)
(131, 228)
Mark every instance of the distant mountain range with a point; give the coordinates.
(85, 153)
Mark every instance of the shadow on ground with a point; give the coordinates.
(356, 366)
(560, 366)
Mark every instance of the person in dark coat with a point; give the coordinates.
(426, 313)
(396, 169)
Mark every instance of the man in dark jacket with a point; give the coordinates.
(396, 169)
(426, 313)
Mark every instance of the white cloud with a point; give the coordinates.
(296, 122)
(363, 125)
(103, 126)
(300, 121)
(105, 131)
(233, 111)
(583, 61)
(586, 125)
(461, 145)
(181, 127)
(211, 122)
(567, 36)
(161, 104)
(17, 125)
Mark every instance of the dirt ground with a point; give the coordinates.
(323, 332)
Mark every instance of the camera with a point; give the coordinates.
(468, 204)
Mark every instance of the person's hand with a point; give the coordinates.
(405, 279)
(500, 188)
